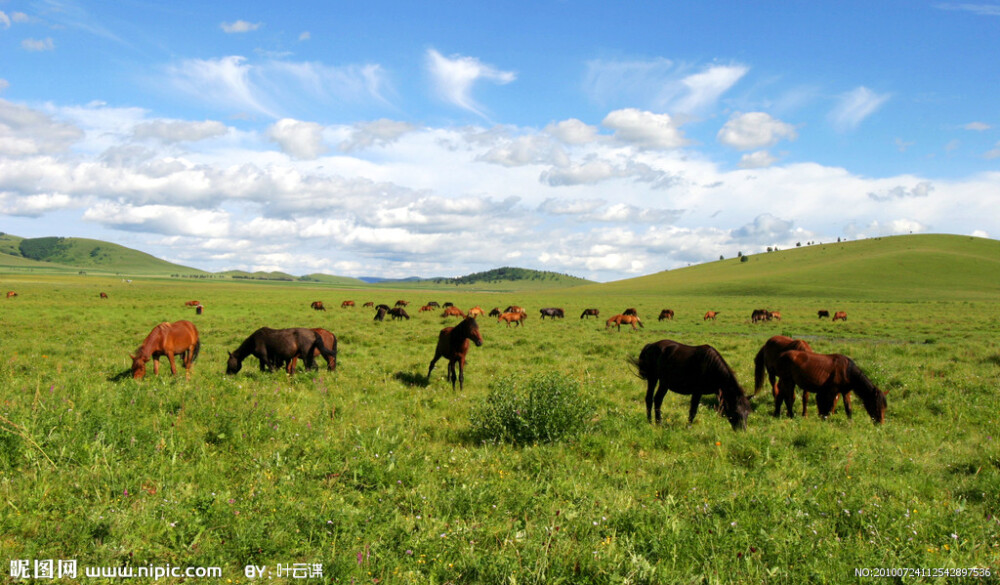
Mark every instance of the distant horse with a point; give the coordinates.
(823, 313)
(191, 303)
(827, 375)
(495, 312)
(274, 347)
(476, 311)
(776, 315)
(630, 311)
(346, 304)
(426, 308)
(402, 303)
(666, 314)
(514, 309)
(448, 304)
(590, 313)
(433, 304)
(624, 319)
(167, 339)
(368, 304)
(759, 315)
(693, 371)
(381, 306)
(710, 315)
(552, 312)
(512, 318)
(11, 294)
(318, 305)
(842, 315)
(452, 312)
(398, 313)
(766, 362)
(453, 344)
(104, 295)
(199, 309)
(380, 314)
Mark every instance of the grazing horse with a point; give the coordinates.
(514, 309)
(823, 313)
(426, 308)
(827, 375)
(380, 313)
(167, 339)
(759, 315)
(398, 313)
(434, 304)
(402, 303)
(274, 347)
(842, 315)
(766, 363)
(330, 341)
(318, 305)
(382, 306)
(666, 314)
(710, 315)
(104, 295)
(552, 312)
(694, 371)
(452, 311)
(453, 344)
(346, 304)
(476, 311)
(368, 304)
(590, 313)
(776, 315)
(495, 312)
(192, 303)
(11, 294)
(626, 319)
(512, 318)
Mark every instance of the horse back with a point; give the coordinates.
(812, 371)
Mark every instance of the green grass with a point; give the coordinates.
(376, 473)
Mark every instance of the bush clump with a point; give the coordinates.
(540, 409)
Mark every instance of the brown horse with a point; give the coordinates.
(776, 315)
(402, 303)
(693, 371)
(426, 308)
(476, 311)
(368, 304)
(590, 313)
(330, 341)
(167, 339)
(512, 318)
(317, 305)
(398, 313)
(624, 319)
(823, 313)
(277, 347)
(104, 295)
(452, 312)
(453, 344)
(841, 315)
(630, 311)
(11, 294)
(766, 363)
(514, 309)
(191, 303)
(710, 315)
(666, 314)
(346, 304)
(827, 375)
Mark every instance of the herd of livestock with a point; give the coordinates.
(688, 370)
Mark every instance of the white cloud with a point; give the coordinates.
(921, 189)
(454, 77)
(854, 106)
(171, 131)
(302, 140)
(660, 83)
(644, 129)
(305, 36)
(4, 20)
(980, 9)
(705, 88)
(572, 131)
(25, 131)
(992, 154)
(754, 130)
(4, 84)
(757, 160)
(377, 133)
(977, 126)
(765, 229)
(239, 26)
(160, 219)
(33, 205)
(226, 82)
(36, 45)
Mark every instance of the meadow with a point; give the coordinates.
(379, 475)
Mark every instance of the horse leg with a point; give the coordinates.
(173, 366)
(695, 401)
(805, 402)
(650, 386)
(847, 403)
(786, 394)
(461, 374)
(451, 374)
(430, 369)
(156, 366)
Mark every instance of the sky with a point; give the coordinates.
(606, 140)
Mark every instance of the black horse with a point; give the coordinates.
(694, 371)
(276, 347)
(552, 312)
(380, 313)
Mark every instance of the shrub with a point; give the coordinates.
(540, 409)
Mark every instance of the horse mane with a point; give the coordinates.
(713, 362)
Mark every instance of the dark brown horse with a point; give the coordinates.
(766, 363)
(380, 314)
(666, 314)
(590, 313)
(399, 313)
(823, 313)
(276, 347)
(827, 375)
(167, 339)
(330, 341)
(317, 305)
(630, 311)
(104, 295)
(453, 344)
(694, 371)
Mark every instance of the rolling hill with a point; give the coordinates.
(83, 255)
(911, 267)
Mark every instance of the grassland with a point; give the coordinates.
(375, 473)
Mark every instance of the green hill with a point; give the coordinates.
(912, 267)
(82, 254)
(507, 274)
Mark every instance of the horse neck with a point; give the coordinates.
(463, 331)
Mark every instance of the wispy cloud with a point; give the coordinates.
(981, 9)
(454, 77)
(240, 26)
(977, 126)
(36, 45)
(854, 106)
(660, 84)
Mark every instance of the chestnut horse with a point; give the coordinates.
(827, 375)
(842, 315)
(104, 295)
(167, 339)
(710, 315)
(276, 347)
(512, 318)
(11, 294)
(476, 311)
(766, 362)
(626, 319)
(694, 371)
(453, 311)
(453, 344)
(191, 303)
(346, 304)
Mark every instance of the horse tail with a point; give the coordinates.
(643, 364)
(197, 348)
(759, 371)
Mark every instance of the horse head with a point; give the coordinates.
(234, 364)
(138, 366)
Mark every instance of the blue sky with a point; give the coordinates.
(606, 140)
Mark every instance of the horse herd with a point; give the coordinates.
(688, 370)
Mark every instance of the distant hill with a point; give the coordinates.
(911, 267)
(82, 254)
(509, 274)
